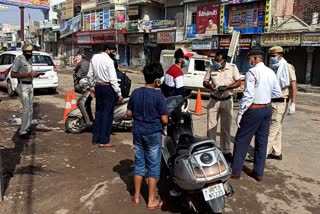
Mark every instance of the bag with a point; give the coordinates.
(124, 83)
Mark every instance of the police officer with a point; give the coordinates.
(254, 115)
(287, 79)
(22, 70)
(221, 79)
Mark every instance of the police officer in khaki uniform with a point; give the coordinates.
(221, 79)
(22, 70)
(287, 79)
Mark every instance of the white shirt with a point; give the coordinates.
(261, 85)
(102, 70)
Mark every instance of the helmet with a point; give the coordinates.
(84, 83)
(27, 47)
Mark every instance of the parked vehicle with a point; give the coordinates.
(194, 74)
(81, 118)
(41, 62)
(193, 164)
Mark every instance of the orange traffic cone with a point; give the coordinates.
(198, 109)
(67, 108)
(73, 100)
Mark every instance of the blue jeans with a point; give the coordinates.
(105, 102)
(147, 150)
(255, 122)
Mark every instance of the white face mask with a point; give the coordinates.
(159, 81)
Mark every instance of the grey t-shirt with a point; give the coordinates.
(22, 66)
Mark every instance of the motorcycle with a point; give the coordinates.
(82, 118)
(193, 164)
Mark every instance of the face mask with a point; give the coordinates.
(112, 56)
(186, 63)
(251, 65)
(217, 65)
(28, 56)
(274, 60)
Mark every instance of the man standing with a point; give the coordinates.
(22, 70)
(107, 92)
(287, 79)
(173, 83)
(221, 80)
(254, 115)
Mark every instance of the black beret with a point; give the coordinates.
(110, 47)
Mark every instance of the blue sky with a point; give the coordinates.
(12, 15)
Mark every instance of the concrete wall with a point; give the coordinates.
(304, 9)
(283, 7)
(151, 13)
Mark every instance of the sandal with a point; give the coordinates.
(106, 145)
(159, 206)
(133, 201)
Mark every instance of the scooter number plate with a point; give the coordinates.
(213, 192)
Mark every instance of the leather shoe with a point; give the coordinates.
(234, 176)
(255, 177)
(25, 136)
(275, 157)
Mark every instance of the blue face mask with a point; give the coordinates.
(186, 63)
(217, 65)
(274, 60)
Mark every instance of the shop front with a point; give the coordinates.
(135, 42)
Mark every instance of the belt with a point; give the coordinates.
(25, 82)
(102, 83)
(220, 99)
(255, 106)
(279, 100)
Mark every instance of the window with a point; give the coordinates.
(1, 59)
(193, 18)
(201, 65)
(42, 60)
(8, 59)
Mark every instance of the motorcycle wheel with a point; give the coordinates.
(75, 125)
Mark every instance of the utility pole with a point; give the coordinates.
(22, 24)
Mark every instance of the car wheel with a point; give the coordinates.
(10, 91)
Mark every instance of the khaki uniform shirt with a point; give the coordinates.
(223, 78)
(292, 77)
(22, 66)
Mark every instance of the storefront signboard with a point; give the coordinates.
(245, 42)
(207, 19)
(135, 38)
(163, 24)
(292, 39)
(191, 31)
(202, 45)
(166, 37)
(71, 26)
(132, 26)
(310, 39)
(67, 9)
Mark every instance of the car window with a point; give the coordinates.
(201, 65)
(42, 60)
(1, 60)
(7, 59)
(11, 58)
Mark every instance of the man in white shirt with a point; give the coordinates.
(107, 93)
(254, 115)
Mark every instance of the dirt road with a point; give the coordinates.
(61, 173)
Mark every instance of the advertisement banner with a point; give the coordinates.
(191, 31)
(202, 45)
(99, 20)
(71, 26)
(93, 20)
(132, 26)
(163, 24)
(106, 22)
(35, 4)
(120, 19)
(246, 18)
(245, 42)
(135, 39)
(166, 37)
(67, 10)
(310, 39)
(238, 1)
(207, 19)
(86, 22)
(292, 39)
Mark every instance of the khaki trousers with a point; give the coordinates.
(25, 93)
(275, 131)
(222, 110)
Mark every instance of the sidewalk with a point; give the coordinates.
(308, 88)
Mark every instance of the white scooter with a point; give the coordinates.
(81, 118)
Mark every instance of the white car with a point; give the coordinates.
(41, 62)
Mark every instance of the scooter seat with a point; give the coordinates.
(186, 140)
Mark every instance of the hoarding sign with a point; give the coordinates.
(163, 24)
(71, 26)
(310, 39)
(132, 26)
(245, 42)
(135, 38)
(202, 45)
(166, 37)
(292, 39)
(106, 22)
(67, 10)
(207, 19)
(191, 31)
(36, 4)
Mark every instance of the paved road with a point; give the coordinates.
(62, 173)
